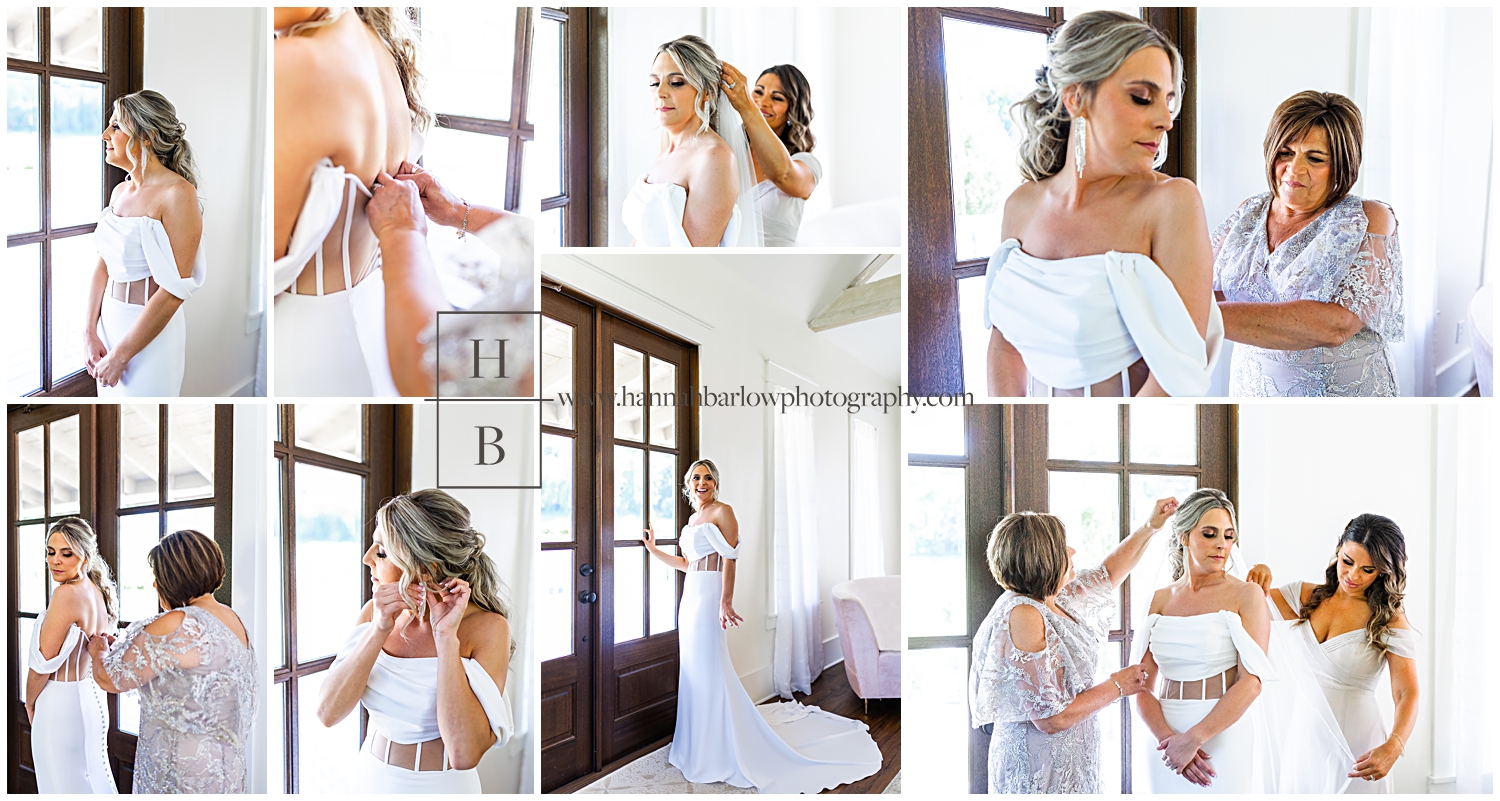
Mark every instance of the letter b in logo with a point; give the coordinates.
(489, 445)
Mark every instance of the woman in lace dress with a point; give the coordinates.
(1353, 628)
(195, 672)
(1309, 276)
(1036, 654)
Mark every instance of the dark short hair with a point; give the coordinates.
(186, 564)
(1028, 554)
(1340, 120)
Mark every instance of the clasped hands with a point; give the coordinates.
(1184, 754)
(105, 365)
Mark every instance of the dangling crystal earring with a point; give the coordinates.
(1081, 145)
(1161, 152)
(422, 607)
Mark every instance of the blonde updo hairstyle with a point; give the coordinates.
(428, 536)
(149, 120)
(687, 481)
(1086, 50)
(400, 38)
(701, 67)
(81, 538)
(1192, 509)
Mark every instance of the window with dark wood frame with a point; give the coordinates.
(383, 470)
(99, 493)
(584, 130)
(36, 79)
(935, 349)
(1006, 468)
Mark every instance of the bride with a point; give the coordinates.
(69, 719)
(356, 291)
(150, 238)
(1104, 282)
(1206, 635)
(721, 735)
(699, 192)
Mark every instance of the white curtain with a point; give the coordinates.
(798, 656)
(866, 546)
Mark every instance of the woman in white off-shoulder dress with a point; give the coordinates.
(429, 655)
(1351, 628)
(721, 735)
(69, 718)
(1102, 285)
(149, 238)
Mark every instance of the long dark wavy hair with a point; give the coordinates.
(1382, 540)
(797, 133)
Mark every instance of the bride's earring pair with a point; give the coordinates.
(1080, 143)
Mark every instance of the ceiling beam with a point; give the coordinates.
(871, 268)
(860, 302)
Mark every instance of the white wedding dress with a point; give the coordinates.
(1188, 649)
(653, 216)
(68, 746)
(135, 249)
(401, 699)
(721, 735)
(1083, 320)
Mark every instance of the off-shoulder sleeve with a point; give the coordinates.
(351, 642)
(325, 196)
(41, 664)
(812, 164)
(1292, 592)
(158, 248)
(1401, 642)
(1008, 685)
(716, 539)
(1372, 288)
(138, 656)
(1251, 655)
(996, 264)
(1181, 360)
(496, 705)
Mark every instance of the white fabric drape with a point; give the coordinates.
(798, 657)
(866, 547)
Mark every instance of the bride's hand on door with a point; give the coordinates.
(727, 616)
(648, 538)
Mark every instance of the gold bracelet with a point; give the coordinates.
(1403, 743)
(463, 230)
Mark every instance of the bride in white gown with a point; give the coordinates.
(1351, 628)
(721, 735)
(700, 192)
(69, 719)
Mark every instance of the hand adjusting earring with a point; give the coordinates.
(1080, 144)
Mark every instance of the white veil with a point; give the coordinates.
(732, 131)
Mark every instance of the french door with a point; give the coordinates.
(616, 441)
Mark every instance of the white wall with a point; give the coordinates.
(253, 478)
(506, 517)
(854, 60)
(210, 63)
(737, 328)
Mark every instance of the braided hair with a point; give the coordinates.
(150, 120)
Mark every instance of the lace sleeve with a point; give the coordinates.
(1371, 287)
(1008, 685)
(138, 656)
(1090, 598)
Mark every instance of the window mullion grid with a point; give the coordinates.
(161, 471)
(520, 85)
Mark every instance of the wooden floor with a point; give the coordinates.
(832, 693)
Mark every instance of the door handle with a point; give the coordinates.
(587, 597)
(586, 570)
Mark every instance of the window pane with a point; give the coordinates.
(327, 754)
(988, 69)
(935, 751)
(276, 764)
(549, 227)
(1153, 572)
(29, 458)
(933, 504)
(199, 519)
(25, 624)
(73, 262)
(471, 166)
(140, 427)
(77, 151)
(555, 617)
(1085, 430)
(663, 593)
(664, 489)
(20, 40)
(329, 546)
(336, 429)
(35, 580)
(1089, 506)
(1109, 719)
(469, 59)
(130, 712)
(1070, 12)
(628, 367)
(139, 533)
(543, 171)
(630, 519)
(630, 595)
(1162, 432)
(64, 467)
(557, 488)
(973, 336)
(557, 372)
(23, 172)
(663, 403)
(934, 430)
(190, 451)
(24, 266)
(78, 37)
(274, 611)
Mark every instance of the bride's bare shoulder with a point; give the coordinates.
(1172, 198)
(1019, 208)
(1159, 600)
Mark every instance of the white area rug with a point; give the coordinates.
(652, 774)
(894, 787)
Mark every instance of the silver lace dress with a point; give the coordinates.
(1010, 688)
(1335, 259)
(197, 694)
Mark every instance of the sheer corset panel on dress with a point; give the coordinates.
(76, 667)
(1204, 689)
(704, 547)
(349, 250)
(135, 293)
(71, 663)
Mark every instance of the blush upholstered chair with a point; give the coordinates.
(868, 612)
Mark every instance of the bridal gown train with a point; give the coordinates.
(721, 735)
(68, 747)
(1188, 649)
